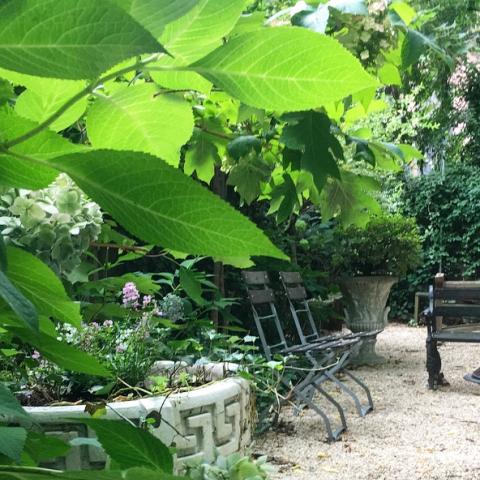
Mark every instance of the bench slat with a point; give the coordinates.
(457, 293)
(463, 337)
(461, 284)
(456, 310)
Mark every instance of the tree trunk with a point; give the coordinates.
(219, 187)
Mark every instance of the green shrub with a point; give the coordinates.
(387, 245)
(446, 210)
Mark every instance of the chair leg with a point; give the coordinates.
(299, 405)
(434, 364)
(336, 434)
(332, 435)
(361, 409)
(366, 408)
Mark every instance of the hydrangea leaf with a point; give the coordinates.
(69, 42)
(162, 206)
(10, 408)
(154, 15)
(41, 286)
(12, 442)
(44, 97)
(415, 44)
(131, 446)
(6, 91)
(192, 36)
(18, 302)
(285, 69)
(177, 80)
(61, 353)
(389, 74)
(350, 199)
(20, 173)
(201, 157)
(138, 118)
(248, 175)
(320, 148)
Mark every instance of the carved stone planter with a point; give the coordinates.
(215, 419)
(365, 301)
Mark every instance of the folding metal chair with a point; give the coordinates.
(297, 299)
(326, 357)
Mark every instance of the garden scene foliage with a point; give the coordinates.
(152, 150)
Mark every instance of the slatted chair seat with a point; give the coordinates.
(450, 299)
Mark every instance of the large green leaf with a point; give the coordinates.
(389, 74)
(131, 447)
(140, 119)
(248, 176)
(177, 80)
(40, 446)
(284, 199)
(6, 91)
(320, 148)
(10, 408)
(285, 68)
(155, 14)
(61, 353)
(350, 199)
(201, 157)
(191, 284)
(41, 286)
(44, 97)
(192, 36)
(12, 441)
(415, 44)
(3, 255)
(18, 302)
(404, 11)
(163, 206)
(67, 38)
(26, 473)
(23, 174)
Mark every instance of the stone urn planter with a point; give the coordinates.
(217, 418)
(365, 300)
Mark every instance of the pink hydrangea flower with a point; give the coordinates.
(108, 323)
(147, 299)
(460, 104)
(36, 355)
(130, 294)
(459, 128)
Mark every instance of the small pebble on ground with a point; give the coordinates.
(413, 433)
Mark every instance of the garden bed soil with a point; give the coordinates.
(413, 433)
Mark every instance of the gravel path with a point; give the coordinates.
(413, 433)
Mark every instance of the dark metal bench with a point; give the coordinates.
(450, 299)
